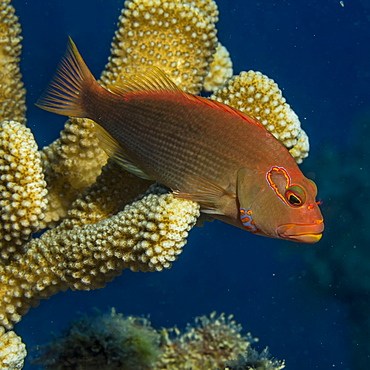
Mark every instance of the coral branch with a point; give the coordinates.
(12, 93)
(147, 235)
(178, 37)
(22, 188)
(259, 96)
(12, 350)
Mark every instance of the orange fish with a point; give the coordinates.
(203, 150)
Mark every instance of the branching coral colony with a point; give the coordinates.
(100, 218)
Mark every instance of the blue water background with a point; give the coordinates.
(317, 51)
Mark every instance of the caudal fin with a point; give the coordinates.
(71, 83)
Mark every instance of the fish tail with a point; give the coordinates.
(71, 84)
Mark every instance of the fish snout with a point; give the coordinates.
(304, 233)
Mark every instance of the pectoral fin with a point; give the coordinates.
(116, 152)
(245, 186)
(207, 193)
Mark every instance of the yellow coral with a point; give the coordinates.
(147, 235)
(301, 148)
(178, 37)
(22, 187)
(71, 163)
(111, 192)
(221, 69)
(12, 93)
(12, 351)
(259, 96)
(208, 7)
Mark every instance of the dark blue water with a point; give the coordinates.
(318, 53)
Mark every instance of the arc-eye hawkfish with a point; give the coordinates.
(201, 149)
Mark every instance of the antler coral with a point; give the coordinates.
(22, 188)
(91, 246)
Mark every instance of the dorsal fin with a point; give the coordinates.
(227, 108)
(154, 80)
(150, 80)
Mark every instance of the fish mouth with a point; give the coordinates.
(303, 233)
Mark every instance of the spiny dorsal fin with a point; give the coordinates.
(151, 80)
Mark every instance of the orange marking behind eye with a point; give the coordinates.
(273, 185)
(310, 206)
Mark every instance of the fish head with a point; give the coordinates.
(274, 205)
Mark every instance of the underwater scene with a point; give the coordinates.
(131, 278)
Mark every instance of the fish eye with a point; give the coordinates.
(294, 200)
(295, 195)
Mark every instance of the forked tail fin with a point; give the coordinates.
(71, 83)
